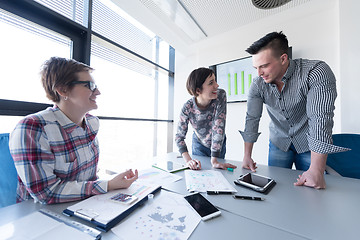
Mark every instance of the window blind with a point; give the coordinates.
(109, 23)
(76, 10)
(32, 27)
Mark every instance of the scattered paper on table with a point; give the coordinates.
(207, 180)
(167, 216)
(157, 176)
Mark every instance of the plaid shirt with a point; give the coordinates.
(301, 113)
(56, 160)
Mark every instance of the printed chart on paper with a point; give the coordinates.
(168, 216)
(206, 180)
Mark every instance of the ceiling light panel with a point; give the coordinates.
(176, 16)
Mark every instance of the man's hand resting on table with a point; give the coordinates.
(249, 163)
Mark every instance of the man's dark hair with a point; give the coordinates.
(276, 41)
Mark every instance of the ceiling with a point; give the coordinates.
(185, 24)
(211, 17)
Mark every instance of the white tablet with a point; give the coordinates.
(170, 166)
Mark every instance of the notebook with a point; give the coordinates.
(105, 213)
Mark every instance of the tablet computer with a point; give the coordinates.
(255, 182)
(170, 166)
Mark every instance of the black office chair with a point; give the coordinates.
(8, 174)
(347, 164)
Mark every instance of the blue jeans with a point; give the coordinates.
(201, 150)
(279, 158)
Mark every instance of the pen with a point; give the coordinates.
(249, 198)
(218, 192)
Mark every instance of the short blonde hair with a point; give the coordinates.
(60, 73)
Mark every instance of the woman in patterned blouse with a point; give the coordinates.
(206, 111)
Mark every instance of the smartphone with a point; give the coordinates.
(123, 198)
(202, 206)
(255, 181)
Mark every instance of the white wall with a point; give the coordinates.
(349, 64)
(313, 31)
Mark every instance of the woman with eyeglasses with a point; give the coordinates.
(56, 150)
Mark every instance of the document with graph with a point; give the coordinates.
(207, 180)
(168, 216)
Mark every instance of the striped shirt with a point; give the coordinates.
(56, 160)
(301, 114)
(208, 124)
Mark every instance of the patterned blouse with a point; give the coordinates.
(208, 124)
(56, 160)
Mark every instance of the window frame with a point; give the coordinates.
(81, 50)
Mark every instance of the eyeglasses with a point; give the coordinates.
(92, 86)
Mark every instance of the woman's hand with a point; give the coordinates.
(123, 180)
(194, 164)
(224, 166)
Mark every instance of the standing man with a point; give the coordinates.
(299, 96)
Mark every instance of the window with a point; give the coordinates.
(127, 93)
(75, 10)
(130, 87)
(133, 69)
(114, 24)
(124, 92)
(23, 50)
(8, 123)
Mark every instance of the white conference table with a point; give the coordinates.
(227, 225)
(329, 213)
(288, 212)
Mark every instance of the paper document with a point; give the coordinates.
(207, 180)
(167, 216)
(157, 176)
